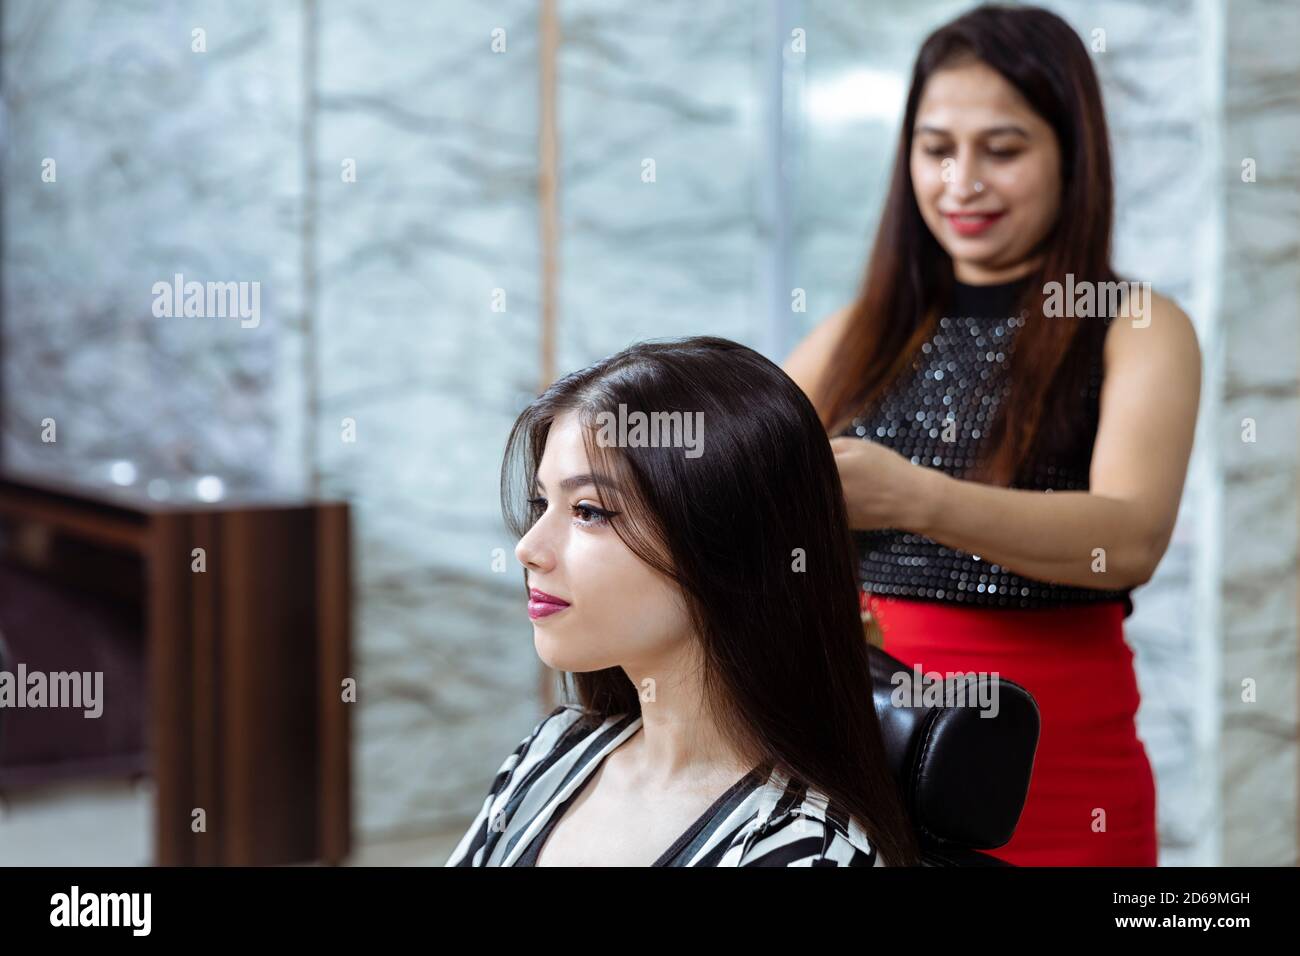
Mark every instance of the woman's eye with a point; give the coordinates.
(1004, 153)
(590, 515)
(583, 514)
(936, 150)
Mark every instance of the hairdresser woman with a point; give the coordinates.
(1012, 473)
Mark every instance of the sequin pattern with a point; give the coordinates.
(938, 416)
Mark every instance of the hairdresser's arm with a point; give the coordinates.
(1144, 440)
(808, 361)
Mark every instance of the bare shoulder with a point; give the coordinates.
(1154, 334)
(808, 360)
(1152, 360)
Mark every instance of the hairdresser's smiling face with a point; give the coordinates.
(621, 611)
(972, 126)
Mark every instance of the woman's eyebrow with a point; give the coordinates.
(575, 482)
(1008, 128)
(987, 131)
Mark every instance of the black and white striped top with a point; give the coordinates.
(759, 821)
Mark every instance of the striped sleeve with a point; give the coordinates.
(798, 840)
(468, 851)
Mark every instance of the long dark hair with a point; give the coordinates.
(755, 533)
(909, 275)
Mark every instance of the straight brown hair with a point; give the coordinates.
(754, 531)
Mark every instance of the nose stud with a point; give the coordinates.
(978, 186)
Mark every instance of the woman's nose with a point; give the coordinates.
(962, 176)
(533, 551)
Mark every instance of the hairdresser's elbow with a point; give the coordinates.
(1125, 566)
(1142, 560)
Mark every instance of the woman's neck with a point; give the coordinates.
(679, 741)
(973, 274)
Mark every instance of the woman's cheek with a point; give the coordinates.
(602, 571)
(1023, 184)
(931, 190)
(1034, 188)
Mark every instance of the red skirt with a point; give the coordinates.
(1092, 795)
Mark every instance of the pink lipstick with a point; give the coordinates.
(541, 604)
(973, 223)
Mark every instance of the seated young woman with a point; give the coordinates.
(701, 606)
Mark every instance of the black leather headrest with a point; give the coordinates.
(964, 776)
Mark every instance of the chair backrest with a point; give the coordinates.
(963, 768)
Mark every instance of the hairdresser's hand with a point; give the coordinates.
(883, 489)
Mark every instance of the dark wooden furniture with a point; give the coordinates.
(246, 659)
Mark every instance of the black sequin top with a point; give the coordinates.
(937, 415)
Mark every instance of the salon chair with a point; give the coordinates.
(963, 776)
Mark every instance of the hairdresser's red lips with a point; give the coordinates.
(971, 223)
(541, 604)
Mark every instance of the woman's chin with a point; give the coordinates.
(550, 652)
(559, 655)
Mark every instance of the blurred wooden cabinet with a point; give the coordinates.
(246, 655)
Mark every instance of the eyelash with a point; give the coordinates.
(595, 516)
(995, 153)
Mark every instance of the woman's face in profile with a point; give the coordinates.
(972, 126)
(620, 611)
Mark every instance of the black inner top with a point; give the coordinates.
(939, 414)
(987, 300)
